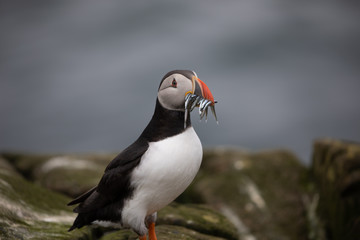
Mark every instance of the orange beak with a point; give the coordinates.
(205, 91)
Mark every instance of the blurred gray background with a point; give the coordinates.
(79, 76)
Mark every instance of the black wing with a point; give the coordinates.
(114, 186)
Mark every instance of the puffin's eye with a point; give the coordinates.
(174, 83)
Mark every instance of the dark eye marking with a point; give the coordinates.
(174, 83)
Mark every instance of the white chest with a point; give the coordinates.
(166, 170)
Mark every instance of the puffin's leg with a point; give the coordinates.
(142, 237)
(152, 234)
(150, 223)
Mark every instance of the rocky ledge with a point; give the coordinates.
(236, 195)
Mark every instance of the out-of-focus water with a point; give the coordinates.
(81, 76)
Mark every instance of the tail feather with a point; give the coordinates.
(80, 221)
(82, 197)
(94, 206)
(75, 225)
(72, 228)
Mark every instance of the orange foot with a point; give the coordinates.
(142, 237)
(152, 235)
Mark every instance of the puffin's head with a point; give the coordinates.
(182, 90)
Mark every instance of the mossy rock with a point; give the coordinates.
(336, 167)
(28, 211)
(262, 193)
(200, 218)
(163, 232)
(185, 221)
(71, 175)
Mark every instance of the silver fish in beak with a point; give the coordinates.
(200, 97)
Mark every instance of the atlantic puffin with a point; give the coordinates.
(155, 169)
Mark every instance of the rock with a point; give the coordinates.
(261, 193)
(163, 232)
(28, 211)
(188, 222)
(200, 218)
(336, 167)
(184, 221)
(71, 175)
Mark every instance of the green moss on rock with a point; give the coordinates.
(260, 192)
(28, 211)
(200, 218)
(71, 175)
(163, 232)
(336, 167)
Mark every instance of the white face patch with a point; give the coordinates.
(172, 92)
